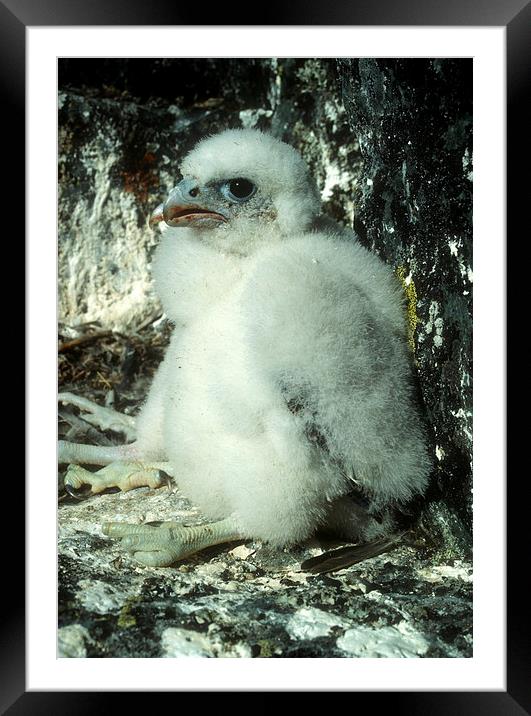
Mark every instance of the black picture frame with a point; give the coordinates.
(515, 16)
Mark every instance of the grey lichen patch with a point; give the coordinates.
(100, 597)
(440, 573)
(397, 641)
(446, 531)
(467, 165)
(178, 643)
(434, 326)
(465, 419)
(250, 118)
(104, 240)
(308, 116)
(72, 641)
(310, 623)
(456, 248)
(185, 643)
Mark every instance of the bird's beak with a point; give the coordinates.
(180, 208)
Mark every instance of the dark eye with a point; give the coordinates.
(239, 189)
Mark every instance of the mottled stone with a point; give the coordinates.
(389, 641)
(71, 642)
(309, 623)
(247, 600)
(117, 161)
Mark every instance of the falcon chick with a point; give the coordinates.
(284, 403)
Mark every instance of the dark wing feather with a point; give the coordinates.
(344, 557)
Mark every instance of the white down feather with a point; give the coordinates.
(282, 333)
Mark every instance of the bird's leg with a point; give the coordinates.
(162, 544)
(103, 418)
(80, 454)
(124, 469)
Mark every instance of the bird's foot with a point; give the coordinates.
(81, 483)
(103, 418)
(162, 544)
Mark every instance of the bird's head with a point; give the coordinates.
(239, 183)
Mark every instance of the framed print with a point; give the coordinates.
(400, 118)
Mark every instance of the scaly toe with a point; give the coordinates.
(117, 530)
(121, 475)
(164, 544)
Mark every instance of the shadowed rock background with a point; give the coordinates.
(390, 142)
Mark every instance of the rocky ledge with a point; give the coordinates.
(245, 600)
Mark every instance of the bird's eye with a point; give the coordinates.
(239, 189)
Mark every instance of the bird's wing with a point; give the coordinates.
(298, 402)
(344, 557)
(322, 339)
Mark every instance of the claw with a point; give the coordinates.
(167, 481)
(80, 493)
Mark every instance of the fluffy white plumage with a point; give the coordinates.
(287, 382)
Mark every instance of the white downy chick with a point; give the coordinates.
(285, 399)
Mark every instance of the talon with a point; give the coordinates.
(78, 493)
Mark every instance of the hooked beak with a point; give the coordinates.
(181, 210)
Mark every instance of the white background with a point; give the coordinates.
(486, 670)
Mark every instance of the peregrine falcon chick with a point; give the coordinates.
(284, 403)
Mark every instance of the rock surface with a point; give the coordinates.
(413, 120)
(390, 145)
(244, 600)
